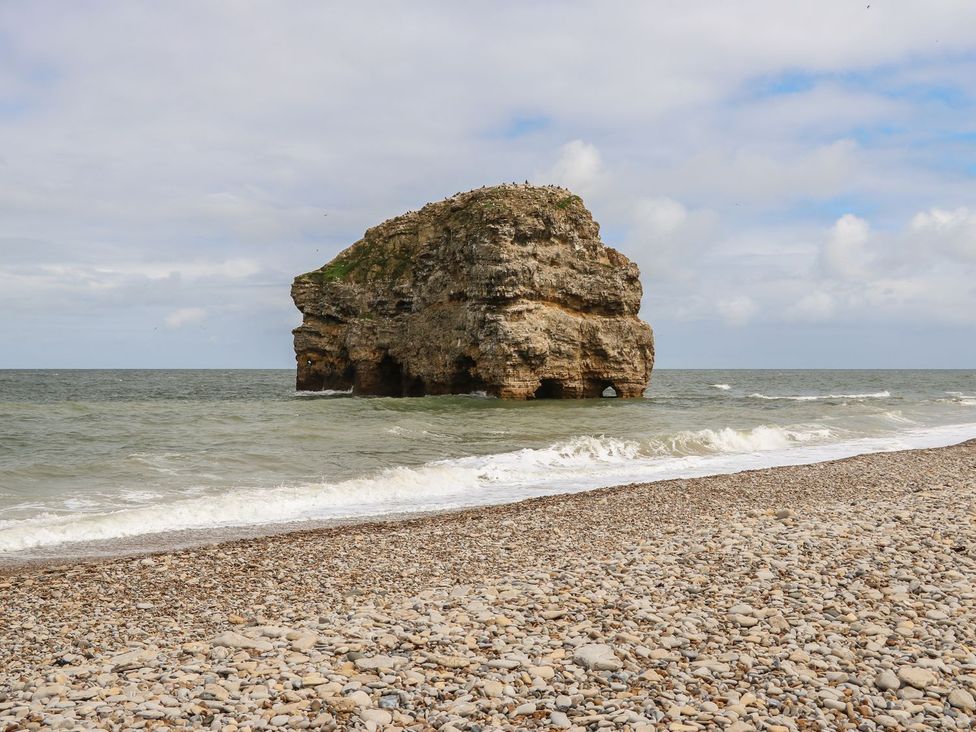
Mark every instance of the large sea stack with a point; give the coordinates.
(506, 290)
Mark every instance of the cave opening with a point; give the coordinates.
(393, 380)
(465, 380)
(610, 392)
(389, 377)
(549, 389)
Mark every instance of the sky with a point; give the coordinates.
(796, 180)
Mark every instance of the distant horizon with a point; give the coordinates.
(656, 368)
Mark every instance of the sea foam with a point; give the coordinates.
(820, 397)
(578, 463)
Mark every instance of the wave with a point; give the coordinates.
(958, 397)
(723, 387)
(324, 393)
(578, 463)
(734, 441)
(819, 397)
(478, 394)
(898, 417)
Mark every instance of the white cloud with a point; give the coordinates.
(737, 310)
(185, 316)
(578, 168)
(845, 253)
(751, 172)
(228, 269)
(815, 306)
(952, 231)
(667, 240)
(937, 219)
(660, 216)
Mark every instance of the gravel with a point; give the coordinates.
(833, 596)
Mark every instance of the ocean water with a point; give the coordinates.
(95, 461)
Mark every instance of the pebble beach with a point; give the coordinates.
(839, 595)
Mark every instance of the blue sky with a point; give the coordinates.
(797, 181)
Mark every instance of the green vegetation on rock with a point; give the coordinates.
(568, 201)
(381, 258)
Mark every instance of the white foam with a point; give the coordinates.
(324, 393)
(754, 440)
(958, 397)
(819, 397)
(576, 464)
(723, 387)
(897, 416)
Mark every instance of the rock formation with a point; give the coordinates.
(506, 290)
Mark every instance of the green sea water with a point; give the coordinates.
(89, 459)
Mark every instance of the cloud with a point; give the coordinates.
(578, 168)
(954, 232)
(845, 253)
(667, 239)
(722, 154)
(660, 216)
(814, 307)
(185, 316)
(738, 310)
(763, 173)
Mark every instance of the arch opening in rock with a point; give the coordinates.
(549, 389)
(309, 380)
(388, 378)
(610, 392)
(464, 380)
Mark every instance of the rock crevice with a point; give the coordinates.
(505, 290)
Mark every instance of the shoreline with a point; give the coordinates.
(801, 591)
(133, 548)
(175, 540)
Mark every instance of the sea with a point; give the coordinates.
(100, 462)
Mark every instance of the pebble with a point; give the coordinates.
(887, 681)
(524, 709)
(597, 656)
(379, 716)
(962, 699)
(920, 678)
(230, 639)
(559, 720)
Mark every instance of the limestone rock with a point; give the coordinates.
(597, 656)
(506, 290)
(887, 681)
(230, 639)
(920, 678)
(962, 699)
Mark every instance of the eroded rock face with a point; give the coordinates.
(506, 290)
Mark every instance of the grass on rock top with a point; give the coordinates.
(368, 259)
(568, 201)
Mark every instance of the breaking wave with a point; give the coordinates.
(723, 387)
(958, 397)
(898, 417)
(324, 393)
(575, 464)
(819, 397)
